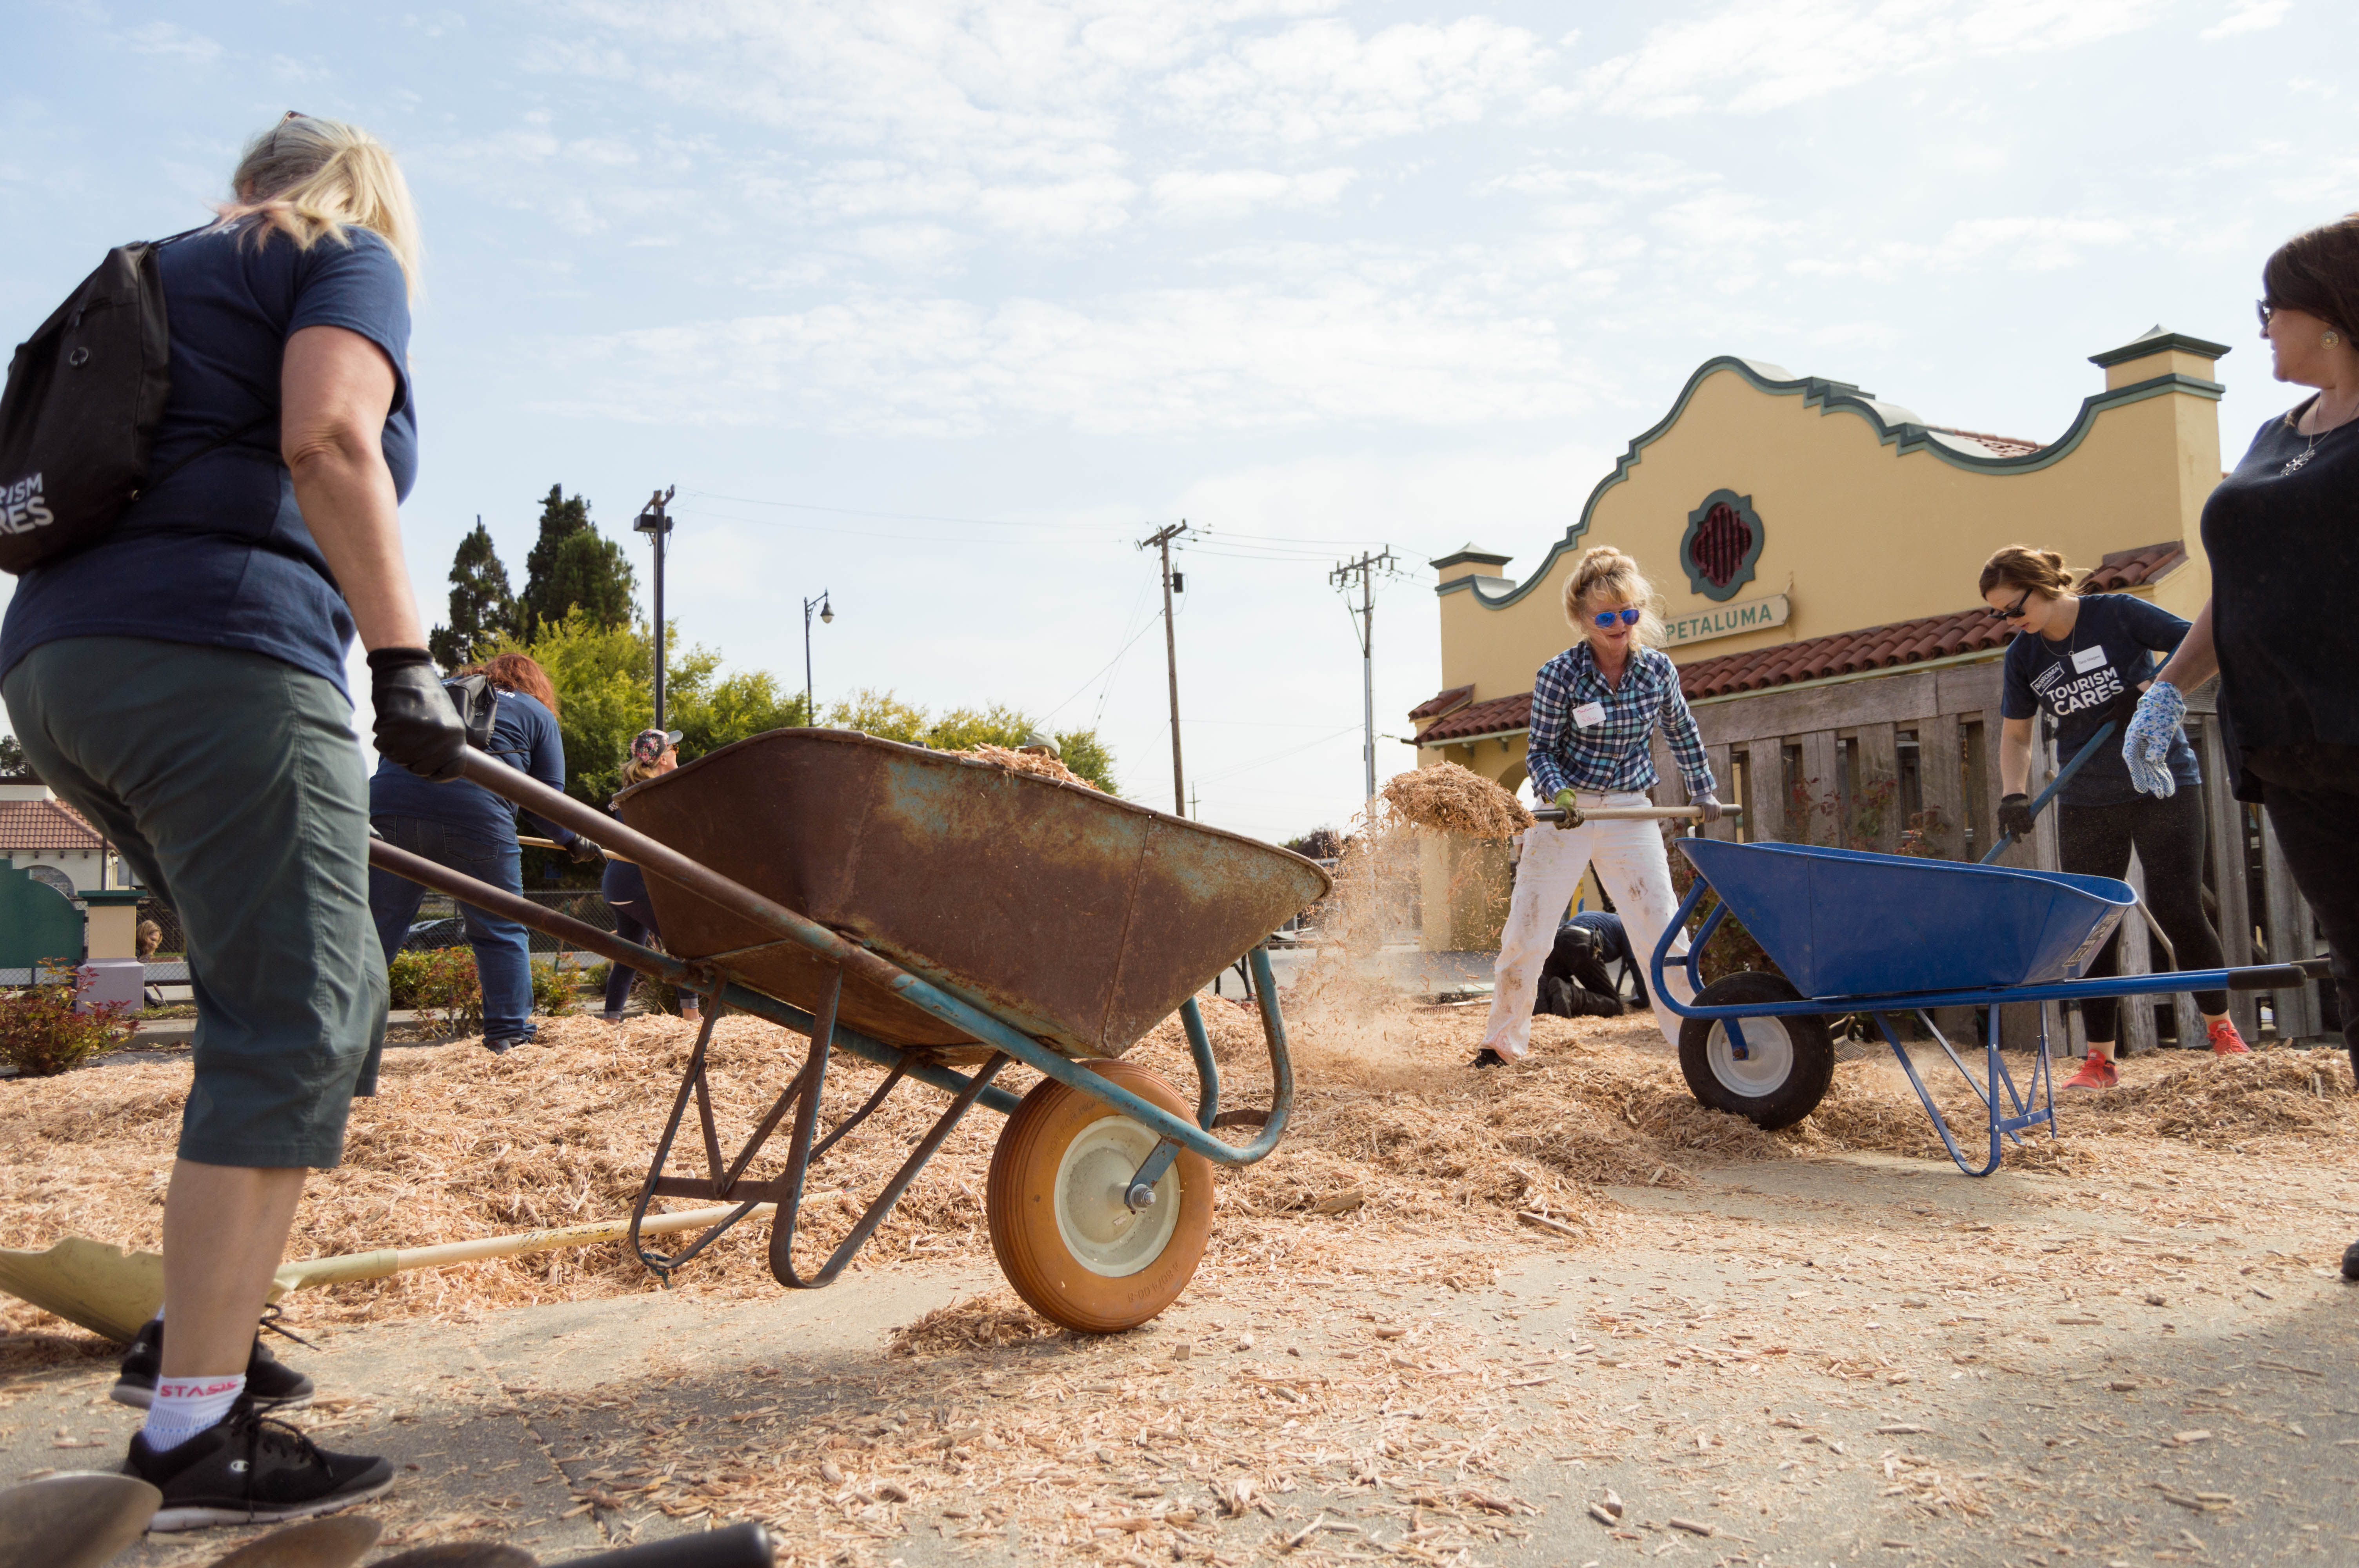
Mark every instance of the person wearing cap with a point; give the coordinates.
(1041, 745)
(468, 828)
(654, 753)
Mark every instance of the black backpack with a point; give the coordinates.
(77, 421)
(478, 703)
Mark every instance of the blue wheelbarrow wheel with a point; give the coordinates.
(1076, 1252)
(1785, 1066)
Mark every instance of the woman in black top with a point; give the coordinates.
(2283, 534)
(2083, 660)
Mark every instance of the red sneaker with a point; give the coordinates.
(2096, 1073)
(2226, 1042)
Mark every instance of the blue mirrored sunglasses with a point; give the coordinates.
(1626, 617)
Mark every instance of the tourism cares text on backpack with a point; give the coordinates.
(79, 417)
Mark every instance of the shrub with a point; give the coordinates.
(440, 982)
(554, 984)
(41, 1034)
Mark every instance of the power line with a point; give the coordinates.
(1161, 539)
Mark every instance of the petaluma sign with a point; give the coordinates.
(1720, 545)
(1727, 620)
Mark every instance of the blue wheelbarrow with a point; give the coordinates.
(941, 918)
(1888, 935)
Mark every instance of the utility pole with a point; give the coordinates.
(1364, 619)
(1161, 539)
(654, 523)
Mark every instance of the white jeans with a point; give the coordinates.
(1632, 866)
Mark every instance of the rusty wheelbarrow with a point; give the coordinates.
(941, 917)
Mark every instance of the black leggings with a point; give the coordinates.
(2323, 852)
(2096, 840)
(633, 922)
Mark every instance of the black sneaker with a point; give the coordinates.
(1487, 1057)
(249, 1469)
(2351, 1261)
(269, 1383)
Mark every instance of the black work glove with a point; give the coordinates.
(585, 852)
(415, 724)
(2015, 815)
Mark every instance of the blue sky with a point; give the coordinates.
(941, 307)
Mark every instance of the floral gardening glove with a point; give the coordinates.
(2147, 748)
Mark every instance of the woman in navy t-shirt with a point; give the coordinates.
(181, 682)
(2083, 660)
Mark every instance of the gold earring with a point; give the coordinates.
(2328, 340)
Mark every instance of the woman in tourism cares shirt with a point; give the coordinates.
(2083, 660)
(1595, 708)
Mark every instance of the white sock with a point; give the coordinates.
(186, 1406)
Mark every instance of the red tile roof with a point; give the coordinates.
(1816, 658)
(2129, 568)
(1843, 653)
(1997, 446)
(1434, 707)
(26, 824)
(1501, 713)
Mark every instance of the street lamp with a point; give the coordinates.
(826, 618)
(654, 523)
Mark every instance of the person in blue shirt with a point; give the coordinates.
(468, 828)
(2083, 659)
(180, 683)
(1595, 708)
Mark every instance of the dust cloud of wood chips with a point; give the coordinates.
(1447, 798)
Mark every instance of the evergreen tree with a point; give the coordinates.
(572, 566)
(483, 607)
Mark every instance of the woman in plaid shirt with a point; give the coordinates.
(1594, 711)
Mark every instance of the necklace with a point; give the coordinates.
(2294, 464)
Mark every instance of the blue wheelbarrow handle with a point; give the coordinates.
(2006, 840)
(599, 827)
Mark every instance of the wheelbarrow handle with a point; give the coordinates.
(739, 1546)
(2006, 840)
(1580, 815)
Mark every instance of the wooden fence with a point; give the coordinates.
(1913, 756)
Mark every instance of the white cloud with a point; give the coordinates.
(2248, 17)
(1322, 81)
(1642, 174)
(2048, 243)
(1164, 361)
(1063, 210)
(172, 42)
(1191, 196)
(1755, 56)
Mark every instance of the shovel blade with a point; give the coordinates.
(102, 1288)
(75, 1521)
(335, 1542)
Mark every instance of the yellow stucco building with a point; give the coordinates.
(1818, 549)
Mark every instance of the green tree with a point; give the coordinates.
(13, 764)
(572, 566)
(482, 606)
(604, 677)
(884, 714)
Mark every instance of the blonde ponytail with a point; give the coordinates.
(1605, 573)
(309, 178)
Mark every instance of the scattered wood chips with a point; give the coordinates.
(1447, 798)
(1026, 762)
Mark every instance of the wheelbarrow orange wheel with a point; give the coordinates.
(1067, 1240)
(1779, 1074)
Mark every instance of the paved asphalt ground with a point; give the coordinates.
(2002, 1427)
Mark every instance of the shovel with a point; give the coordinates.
(111, 1292)
(75, 1521)
(337, 1543)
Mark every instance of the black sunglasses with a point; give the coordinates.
(2008, 614)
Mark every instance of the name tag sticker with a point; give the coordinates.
(1589, 715)
(2088, 659)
